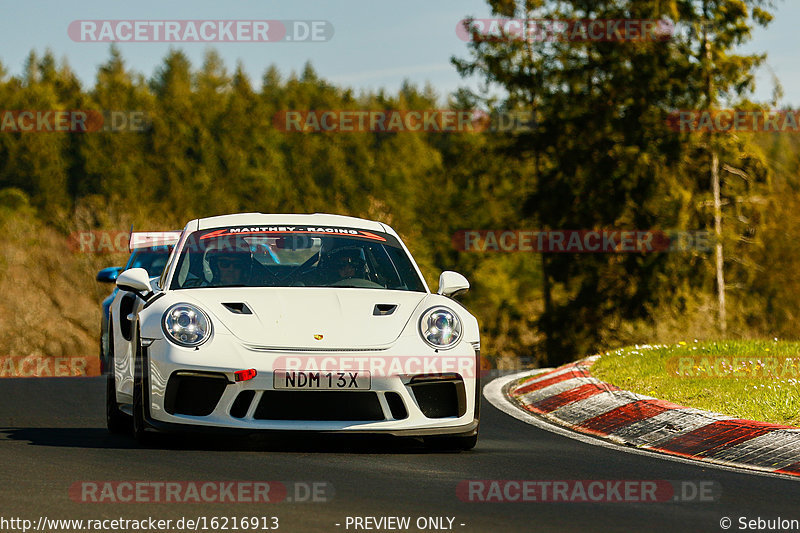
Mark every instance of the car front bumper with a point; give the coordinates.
(195, 389)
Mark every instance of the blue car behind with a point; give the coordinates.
(153, 259)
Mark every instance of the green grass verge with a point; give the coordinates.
(757, 380)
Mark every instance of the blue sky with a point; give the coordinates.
(376, 43)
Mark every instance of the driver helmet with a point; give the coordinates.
(221, 257)
(347, 263)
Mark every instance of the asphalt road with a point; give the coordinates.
(52, 436)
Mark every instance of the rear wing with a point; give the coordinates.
(147, 239)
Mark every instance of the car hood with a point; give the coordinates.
(313, 318)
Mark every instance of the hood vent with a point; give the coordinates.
(238, 308)
(384, 309)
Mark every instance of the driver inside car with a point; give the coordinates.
(343, 264)
(230, 268)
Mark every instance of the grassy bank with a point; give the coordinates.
(757, 380)
(50, 305)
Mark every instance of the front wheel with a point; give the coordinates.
(116, 421)
(139, 425)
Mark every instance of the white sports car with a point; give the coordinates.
(293, 322)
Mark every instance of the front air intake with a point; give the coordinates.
(319, 405)
(440, 396)
(194, 393)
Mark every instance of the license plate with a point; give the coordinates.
(321, 380)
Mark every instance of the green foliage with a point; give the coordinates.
(13, 199)
(211, 148)
(601, 156)
(756, 380)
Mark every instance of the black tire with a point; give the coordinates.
(105, 355)
(117, 422)
(451, 443)
(139, 424)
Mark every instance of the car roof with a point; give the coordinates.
(264, 219)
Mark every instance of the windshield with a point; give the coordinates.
(151, 259)
(294, 257)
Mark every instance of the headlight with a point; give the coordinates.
(440, 327)
(186, 325)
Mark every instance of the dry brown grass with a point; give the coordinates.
(50, 299)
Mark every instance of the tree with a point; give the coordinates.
(601, 155)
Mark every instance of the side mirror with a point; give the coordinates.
(108, 275)
(452, 283)
(134, 280)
